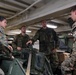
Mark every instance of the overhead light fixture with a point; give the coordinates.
(28, 31)
(70, 34)
(17, 31)
(51, 26)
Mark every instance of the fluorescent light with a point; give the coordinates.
(13, 32)
(28, 31)
(69, 33)
(51, 26)
(17, 31)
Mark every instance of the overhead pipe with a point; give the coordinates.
(25, 9)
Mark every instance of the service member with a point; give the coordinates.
(68, 65)
(48, 43)
(4, 46)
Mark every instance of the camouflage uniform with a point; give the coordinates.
(3, 38)
(20, 41)
(69, 63)
(3, 41)
(3, 45)
(48, 41)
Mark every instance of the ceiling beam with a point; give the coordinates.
(24, 9)
(24, 2)
(6, 12)
(3, 5)
(16, 3)
(59, 21)
(3, 14)
(62, 19)
(50, 10)
(63, 28)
